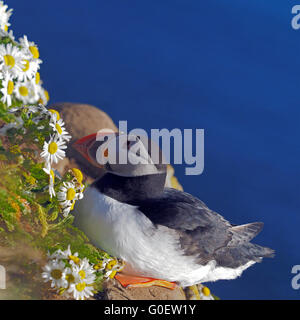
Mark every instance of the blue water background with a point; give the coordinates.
(230, 67)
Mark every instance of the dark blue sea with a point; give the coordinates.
(229, 67)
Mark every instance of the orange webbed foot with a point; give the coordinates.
(127, 280)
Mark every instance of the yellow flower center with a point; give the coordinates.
(52, 175)
(55, 112)
(61, 291)
(78, 174)
(9, 60)
(80, 286)
(74, 259)
(52, 148)
(37, 78)
(56, 274)
(70, 278)
(34, 51)
(111, 264)
(72, 206)
(47, 95)
(99, 265)
(81, 274)
(113, 273)
(205, 291)
(6, 28)
(10, 87)
(58, 128)
(23, 91)
(71, 194)
(26, 65)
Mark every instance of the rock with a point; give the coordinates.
(114, 291)
(82, 120)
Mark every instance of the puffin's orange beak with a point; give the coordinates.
(82, 145)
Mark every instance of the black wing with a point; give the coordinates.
(204, 233)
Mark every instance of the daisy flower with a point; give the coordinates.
(30, 48)
(8, 34)
(42, 93)
(26, 91)
(4, 16)
(78, 176)
(112, 267)
(53, 150)
(81, 290)
(59, 129)
(56, 255)
(8, 89)
(29, 70)
(66, 209)
(55, 116)
(66, 254)
(205, 293)
(101, 265)
(71, 207)
(51, 174)
(71, 276)
(73, 257)
(75, 278)
(11, 59)
(54, 272)
(85, 271)
(67, 196)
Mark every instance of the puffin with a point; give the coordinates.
(166, 237)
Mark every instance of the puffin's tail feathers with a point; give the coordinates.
(240, 251)
(263, 252)
(235, 257)
(245, 233)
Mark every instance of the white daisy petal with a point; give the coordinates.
(11, 59)
(4, 16)
(52, 150)
(30, 48)
(59, 129)
(51, 174)
(54, 272)
(7, 88)
(26, 91)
